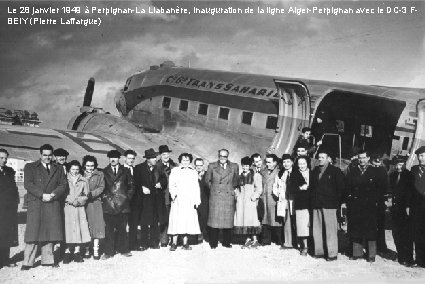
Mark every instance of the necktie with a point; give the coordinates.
(399, 177)
(115, 170)
(47, 168)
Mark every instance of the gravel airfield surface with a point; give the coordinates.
(222, 265)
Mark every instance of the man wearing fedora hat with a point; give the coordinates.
(119, 189)
(165, 165)
(150, 186)
(400, 184)
(418, 207)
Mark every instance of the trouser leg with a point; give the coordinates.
(109, 234)
(4, 256)
(123, 244)
(144, 236)
(317, 232)
(266, 235)
(419, 230)
(227, 236)
(330, 222)
(47, 254)
(30, 253)
(372, 249)
(277, 234)
(288, 235)
(214, 237)
(381, 242)
(154, 234)
(164, 238)
(357, 247)
(134, 218)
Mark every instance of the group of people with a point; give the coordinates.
(293, 201)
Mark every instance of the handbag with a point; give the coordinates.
(260, 209)
(281, 208)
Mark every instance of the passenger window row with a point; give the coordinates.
(246, 116)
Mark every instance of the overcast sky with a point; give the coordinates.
(46, 68)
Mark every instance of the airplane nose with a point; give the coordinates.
(120, 103)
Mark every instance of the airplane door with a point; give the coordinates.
(419, 135)
(294, 109)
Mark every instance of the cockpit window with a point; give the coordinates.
(271, 122)
(166, 102)
(126, 86)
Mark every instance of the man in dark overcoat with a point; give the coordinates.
(417, 215)
(47, 185)
(401, 188)
(203, 208)
(150, 185)
(9, 200)
(119, 190)
(165, 165)
(222, 178)
(327, 189)
(365, 189)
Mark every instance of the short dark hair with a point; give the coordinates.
(46, 147)
(185, 155)
(255, 155)
(130, 152)
(246, 161)
(4, 151)
(198, 159)
(304, 129)
(306, 158)
(89, 158)
(363, 151)
(74, 163)
(60, 152)
(273, 156)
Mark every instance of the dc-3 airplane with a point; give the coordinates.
(201, 111)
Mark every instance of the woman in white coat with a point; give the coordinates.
(185, 194)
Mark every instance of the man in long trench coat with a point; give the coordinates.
(222, 179)
(46, 184)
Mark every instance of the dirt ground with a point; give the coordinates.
(223, 265)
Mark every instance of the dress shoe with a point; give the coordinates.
(304, 252)
(127, 254)
(418, 265)
(285, 248)
(405, 263)
(106, 256)
(96, 257)
(67, 258)
(255, 245)
(371, 259)
(318, 256)
(227, 246)
(164, 245)
(173, 247)
(331, 258)
(155, 247)
(186, 247)
(136, 249)
(355, 257)
(78, 257)
(26, 267)
(54, 265)
(144, 248)
(11, 264)
(213, 247)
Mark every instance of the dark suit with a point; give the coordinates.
(401, 187)
(153, 209)
(166, 170)
(44, 222)
(327, 189)
(119, 190)
(364, 193)
(418, 212)
(9, 200)
(203, 208)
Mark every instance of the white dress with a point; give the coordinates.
(185, 193)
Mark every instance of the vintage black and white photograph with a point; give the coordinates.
(268, 141)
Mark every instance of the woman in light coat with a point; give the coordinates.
(95, 215)
(76, 226)
(246, 221)
(185, 194)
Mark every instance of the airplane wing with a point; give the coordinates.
(23, 143)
